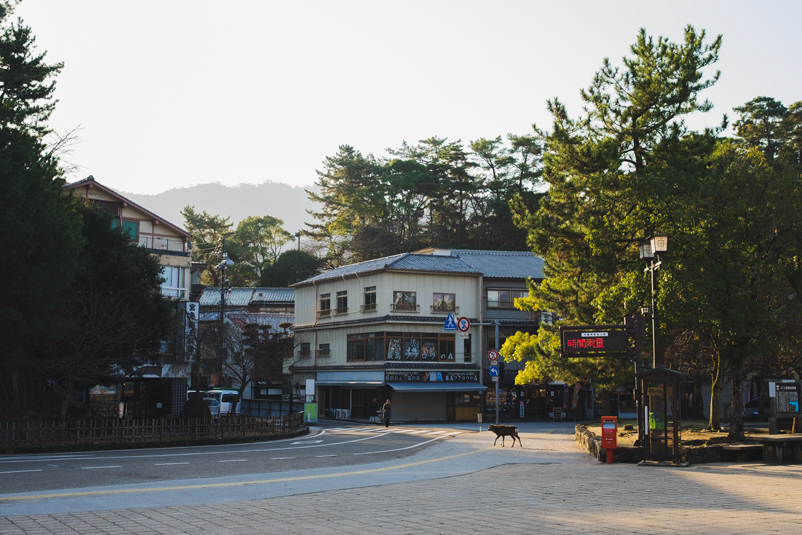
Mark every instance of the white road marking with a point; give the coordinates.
(308, 442)
(282, 458)
(167, 464)
(233, 461)
(19, 471)
(325, 456)
(399, 449)
(97, 467)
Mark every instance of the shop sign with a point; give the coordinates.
(446, 377)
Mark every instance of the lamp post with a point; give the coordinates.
(223, 287)
(298, 235)
(650, 251)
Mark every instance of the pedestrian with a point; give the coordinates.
(387, 409)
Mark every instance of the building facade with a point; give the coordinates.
(413, 328)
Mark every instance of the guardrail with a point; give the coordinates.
(108, 431)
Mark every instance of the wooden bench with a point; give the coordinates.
(775, 445)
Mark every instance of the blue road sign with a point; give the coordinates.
(493, 371)
(450, 324)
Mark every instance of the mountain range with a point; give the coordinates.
(278, 200)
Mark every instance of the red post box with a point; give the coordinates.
(609, 439)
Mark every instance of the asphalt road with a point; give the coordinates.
(331, 458)
(325, 447)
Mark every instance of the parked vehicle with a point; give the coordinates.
(225, 399)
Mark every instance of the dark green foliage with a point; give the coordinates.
(117, 314)
(434, 194)
(290, 267)
(39, 229)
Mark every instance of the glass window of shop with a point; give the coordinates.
(427, 347)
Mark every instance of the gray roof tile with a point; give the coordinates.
(405, 261)
(502, 264)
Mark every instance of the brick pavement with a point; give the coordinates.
(564, 497)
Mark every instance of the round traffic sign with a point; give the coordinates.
(492, 354)
(463, 324)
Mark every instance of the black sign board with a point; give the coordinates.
(594, 343)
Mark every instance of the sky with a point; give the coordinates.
(168, 94)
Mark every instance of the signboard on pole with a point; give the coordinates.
(492, 355)
(450, 324)
(493, 371)
(593, 342)
(463, 324)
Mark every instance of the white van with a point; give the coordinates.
(224, 398)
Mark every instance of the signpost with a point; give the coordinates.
(463, 324)
(450, 324)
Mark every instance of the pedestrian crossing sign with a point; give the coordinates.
(450, 324)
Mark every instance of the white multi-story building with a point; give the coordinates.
(377, 330)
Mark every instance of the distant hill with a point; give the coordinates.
(238, 202)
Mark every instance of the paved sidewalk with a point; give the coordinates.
(564, 497)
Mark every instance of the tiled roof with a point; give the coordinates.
(273, 295)
(274, 320)
(237, 297)
(405, 261)
(502, 264)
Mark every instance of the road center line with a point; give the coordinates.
(19, 471)
(233, 461)
(166, 464)
(282, 458)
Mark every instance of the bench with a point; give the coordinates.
(775, 447)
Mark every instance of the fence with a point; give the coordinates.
(267, 407)
(114, 431)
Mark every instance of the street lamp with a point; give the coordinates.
(650, 250)
(226, 262)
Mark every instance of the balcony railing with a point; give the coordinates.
(324, 352)
(370, 307)
(445, 310)
(324, 313)
(341, 310)
(405, 309)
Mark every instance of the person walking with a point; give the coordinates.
(386, 410)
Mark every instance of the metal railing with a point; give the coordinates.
(409, 309)
(33, 434)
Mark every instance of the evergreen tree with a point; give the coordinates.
(40, 231)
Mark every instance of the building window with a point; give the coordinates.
(370, 299)
(466, 349)
(504, 298)
(342, 302)
(306, 349)
(132, 229)
(174, 284)
(325, 306)
(411, 347)
(447, 350)
(324, 350)
(444, 303)
(405, 302)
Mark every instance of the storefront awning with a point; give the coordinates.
(437, 387)
(350, 378)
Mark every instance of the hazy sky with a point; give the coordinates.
(173, 93)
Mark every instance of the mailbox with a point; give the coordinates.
(609, 439)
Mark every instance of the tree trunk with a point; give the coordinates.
(736, 405)
(715, 391)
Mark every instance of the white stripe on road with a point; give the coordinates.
(19, 471)
(167, 464)
(282, 458)
(233, 461)
(325, 456)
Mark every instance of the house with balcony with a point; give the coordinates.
(379, 329)
(168, 242)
